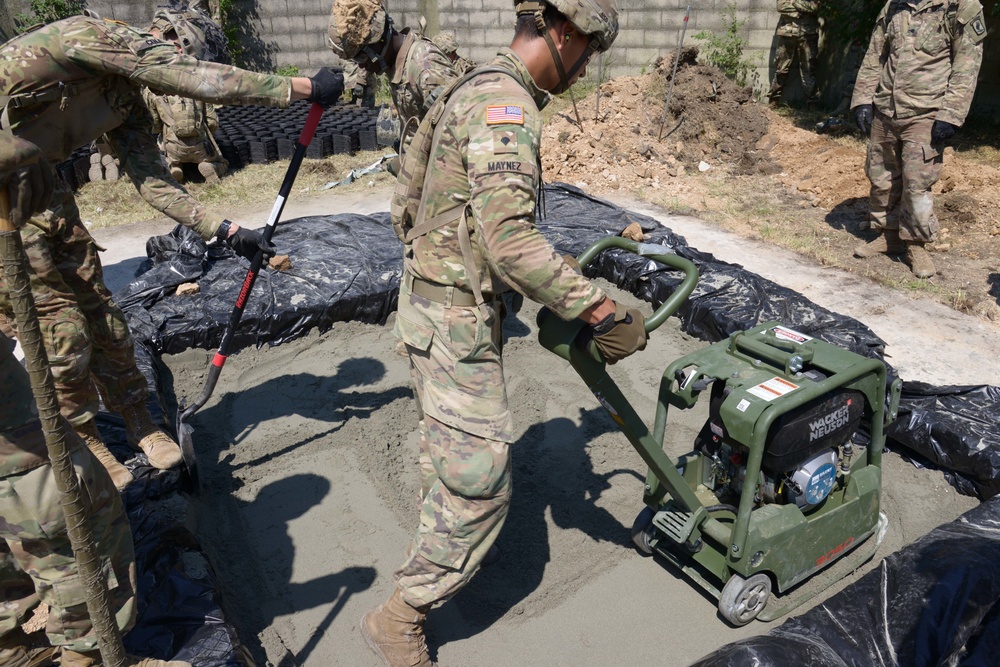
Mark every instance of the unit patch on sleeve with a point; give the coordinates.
(978, 26)
(501, 114)
(504, 142)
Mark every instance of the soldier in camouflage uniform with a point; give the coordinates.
(912, 94)
(446, 42)
(362, 31)
(186, 127)
(798, 35)
(468, 225)
(36, 559)
(361, 83)
(62, 86)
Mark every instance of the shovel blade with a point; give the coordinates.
(185, 438)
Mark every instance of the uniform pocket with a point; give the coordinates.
(931, 37)
(414, 335)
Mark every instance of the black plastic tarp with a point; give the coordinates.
(933, 602)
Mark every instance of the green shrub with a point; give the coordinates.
(47, 11)
(725, 51)
(287, 70)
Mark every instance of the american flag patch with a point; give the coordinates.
(497, 114)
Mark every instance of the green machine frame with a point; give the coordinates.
(741, 553)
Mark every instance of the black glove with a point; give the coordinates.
(619, 335)
(327, 86)
(247, 242)
(941, 132)
(863, 114)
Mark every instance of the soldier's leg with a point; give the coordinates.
(883, 168)
(921, 166)
(782, 64)
(112, 363)
(808, 55)
(17, 592)
(41, 546)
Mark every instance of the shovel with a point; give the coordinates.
(185, 430)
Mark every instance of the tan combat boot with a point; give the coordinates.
(919, 260)
(14, 651)
(177, 173)
(110, 168)
(141, 432)
(208, 172)
(119, 473)
(96, 172)
(887, 244)
(395, 631)
(68, 658)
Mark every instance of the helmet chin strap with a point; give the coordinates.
(383, 65)
(564, 78)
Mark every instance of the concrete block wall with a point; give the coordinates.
(277, 33)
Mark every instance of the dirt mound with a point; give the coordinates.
(831, 174)
(711, 122)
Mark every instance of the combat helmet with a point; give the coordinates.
(446, 42)
(356, 26)
(596, 18)
(198, 34)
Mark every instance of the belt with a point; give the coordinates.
(446, 294)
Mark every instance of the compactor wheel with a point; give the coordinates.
(642, 531)
(742, 599)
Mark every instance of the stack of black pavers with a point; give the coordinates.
(259, 135)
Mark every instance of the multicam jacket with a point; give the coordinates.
(797, 18)
(69, 82)
(923, 60)
(422, 71)
(22, 445)
(486, 162)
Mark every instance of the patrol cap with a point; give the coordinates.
(356, 24)
(446, 42)
(199, 35)
(596, 18)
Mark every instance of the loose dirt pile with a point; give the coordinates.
(711, 121)
(832, 174)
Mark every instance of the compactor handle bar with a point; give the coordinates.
(659, 253)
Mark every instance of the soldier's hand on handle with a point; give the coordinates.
(620, 334)
(246, 242)
(327, 86)
(863, 114)
(28, 177)
(942, 131)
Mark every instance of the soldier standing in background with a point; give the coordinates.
(798, 36)
(446, 42)
(186, 127)
(467, 218)
(36, 559)
(912, 94)
(362, 31)
(62, 86)
(361, 83)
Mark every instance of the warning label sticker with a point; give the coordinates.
(784, 333)
(773, 388)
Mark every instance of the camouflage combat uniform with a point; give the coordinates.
(68, 83)
(921, 66)
(360, 83)
(36, 560)
(485, 176)
(421, 73)
(185, 127)
(798, 35)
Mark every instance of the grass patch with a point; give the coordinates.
(105, 204)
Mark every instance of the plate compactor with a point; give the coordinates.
(776, 490)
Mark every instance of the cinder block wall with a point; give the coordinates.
(275, 33)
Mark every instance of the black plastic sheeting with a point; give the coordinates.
(933, 602)
(348, 267)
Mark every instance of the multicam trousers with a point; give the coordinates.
(465, 433)
(85, 333)
(806, 47)
(902, 167)
(35, 554)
